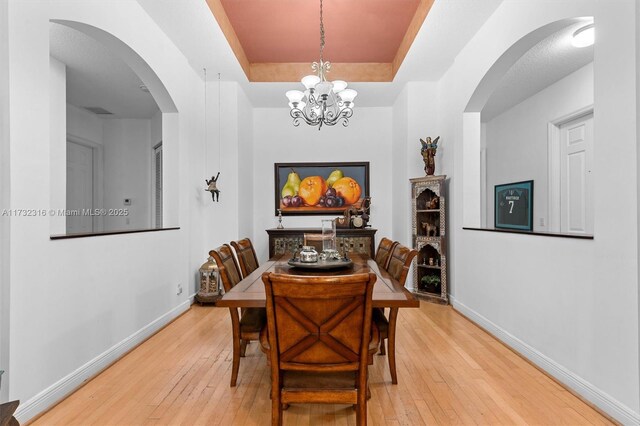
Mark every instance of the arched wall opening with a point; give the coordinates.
(163, 154)
(474, 154)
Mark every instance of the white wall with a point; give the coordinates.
(156, 129)
(245, 166)
(127, 146)
(221, 155)
(127, 172)
(100, 295)
(4, 200)
(367, 138)
(569, 305)
(400, 126)
(516, 140)
(84, 124)
(58, 143)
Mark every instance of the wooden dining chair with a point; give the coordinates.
(246, 256)
(245, 326)
(398, 267)
(315, 240)
(383, 255)
(319, 331)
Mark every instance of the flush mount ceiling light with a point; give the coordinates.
(323, 102)
(584, 36)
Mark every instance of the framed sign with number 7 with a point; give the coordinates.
(514, 205)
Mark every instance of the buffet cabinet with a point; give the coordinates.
(429, 214)
(289, 240)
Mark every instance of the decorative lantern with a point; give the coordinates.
(209, 286)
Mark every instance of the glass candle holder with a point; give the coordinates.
(328, 235)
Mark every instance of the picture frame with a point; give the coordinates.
(352, 188)
(513, 206)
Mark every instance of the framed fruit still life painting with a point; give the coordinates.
(320, 188)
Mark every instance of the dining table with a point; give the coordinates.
(387, 292)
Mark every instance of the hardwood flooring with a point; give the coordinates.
(449, 372)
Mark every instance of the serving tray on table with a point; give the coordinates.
(322, 264)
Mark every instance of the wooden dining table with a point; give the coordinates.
(387, 292)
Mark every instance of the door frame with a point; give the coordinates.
(152, 192)
(554, 190)
(98, 176)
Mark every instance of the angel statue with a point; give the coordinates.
(428, 152)
(212, 188)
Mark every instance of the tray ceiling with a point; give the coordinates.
(276, 40)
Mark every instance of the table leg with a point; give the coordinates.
(393, 316)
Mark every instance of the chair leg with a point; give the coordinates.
(243, 347)
(382, 349)
(393, 317)
(276, 411)
(236, 360)
(361, 410)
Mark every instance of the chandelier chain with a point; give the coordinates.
(321, 35)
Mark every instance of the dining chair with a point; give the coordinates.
(383, 255)
(246, 256)
(245, 326)
(315, 240)
(398, 267)
(319, 331)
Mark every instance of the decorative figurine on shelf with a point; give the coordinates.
(434, 203)
(430, 229)
(212, 188)
(428, 152)
(280, 219)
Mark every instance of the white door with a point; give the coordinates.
(79, 188)
(576, 180)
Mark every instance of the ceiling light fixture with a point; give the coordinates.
(323, 102)
(584, 36)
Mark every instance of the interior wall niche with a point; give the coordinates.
(531, 118)
(111, 129)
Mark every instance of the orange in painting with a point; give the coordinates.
(311, 189)
(348, 189)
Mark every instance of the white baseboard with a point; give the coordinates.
(63, 387)
(589, 392)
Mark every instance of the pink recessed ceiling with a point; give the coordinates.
(276, 40)
(288, 30)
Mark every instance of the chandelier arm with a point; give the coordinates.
(297, 114)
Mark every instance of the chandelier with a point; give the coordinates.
(323, 102)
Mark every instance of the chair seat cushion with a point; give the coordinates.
(312, 380)
(253, 319)
(380, 320)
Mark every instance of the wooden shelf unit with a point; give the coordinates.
(429, 237)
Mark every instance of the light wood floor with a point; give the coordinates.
(449, 372)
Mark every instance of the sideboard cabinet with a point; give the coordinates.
(429, 216)
(288, 240)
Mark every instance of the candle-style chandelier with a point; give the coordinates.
(323, 102)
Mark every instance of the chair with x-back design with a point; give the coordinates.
(244, 327)
(319, 336)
